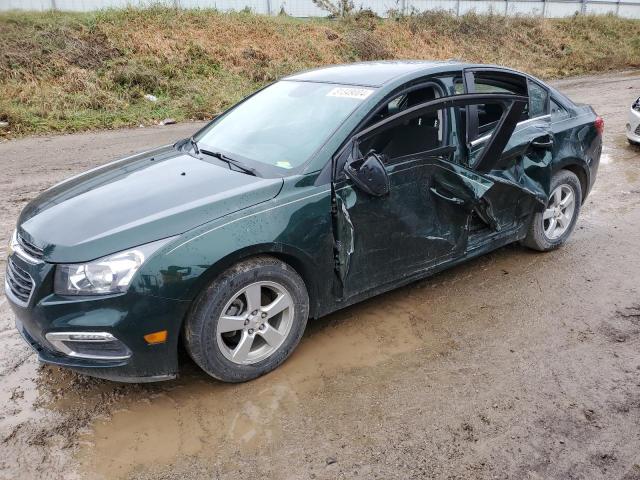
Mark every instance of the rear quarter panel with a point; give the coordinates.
(577, 144)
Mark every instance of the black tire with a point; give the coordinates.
(536, 237)
(200, 330)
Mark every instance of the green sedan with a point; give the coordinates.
(318, 191)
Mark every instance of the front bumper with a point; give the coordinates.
(633, 126)
(126, 317)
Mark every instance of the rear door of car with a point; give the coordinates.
(522, 171)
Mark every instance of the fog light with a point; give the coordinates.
(90, 345)
(86, 337)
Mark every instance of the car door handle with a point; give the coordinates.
(457, 201)
(544, 141)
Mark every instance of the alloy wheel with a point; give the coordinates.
(255, 322)
(559, 213)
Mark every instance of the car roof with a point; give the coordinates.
(373, 74)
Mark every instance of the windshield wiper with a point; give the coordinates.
(231, 161)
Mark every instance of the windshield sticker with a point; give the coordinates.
(350, 92)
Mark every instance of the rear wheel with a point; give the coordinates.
(248, 321)
(553, 226)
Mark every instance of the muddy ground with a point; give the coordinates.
(516, 365)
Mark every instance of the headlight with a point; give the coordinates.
(111, 274)
(636, 105)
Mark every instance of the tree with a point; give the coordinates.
(336, 8)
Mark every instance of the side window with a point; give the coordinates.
(490, 81)
(404, 101)
(488, 117)
(418, 133)
(538, 100)
(483, 125)
(499, 82)
(557, 110)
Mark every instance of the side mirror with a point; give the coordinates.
(368, 174)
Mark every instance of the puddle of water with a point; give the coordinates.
(196, 416)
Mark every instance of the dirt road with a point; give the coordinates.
(517, 365)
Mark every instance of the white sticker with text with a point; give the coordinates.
(350, 92)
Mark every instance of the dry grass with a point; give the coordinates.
(69, 72)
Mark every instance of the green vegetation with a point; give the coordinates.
(69, 72)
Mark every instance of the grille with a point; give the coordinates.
(638, 129)
(19, 282)
(30, 248)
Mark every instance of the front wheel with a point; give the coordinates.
(248, 321)
(552, 227)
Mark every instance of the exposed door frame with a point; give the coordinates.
(513, 106)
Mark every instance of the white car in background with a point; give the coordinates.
(633, 126)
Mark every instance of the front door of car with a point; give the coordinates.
(420, 218)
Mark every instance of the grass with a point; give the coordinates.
(65, 72)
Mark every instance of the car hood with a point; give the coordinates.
(136, 200)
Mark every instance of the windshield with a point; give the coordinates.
(284, 124)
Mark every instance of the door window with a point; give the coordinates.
(404, 101)
(498, 82)
(557, 110)
(506, 82)
(489, 115)
(538, 100)
(490, 81)
(425, 132)
(417, 133)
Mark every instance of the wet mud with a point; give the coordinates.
(515, 365)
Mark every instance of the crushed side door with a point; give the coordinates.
(519, 164)
(374, 238)
(521, 177)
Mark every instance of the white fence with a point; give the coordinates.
(306, 8)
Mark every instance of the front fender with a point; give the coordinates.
(301, 261)
(295, 225)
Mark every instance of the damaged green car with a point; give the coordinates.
(316, 192)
